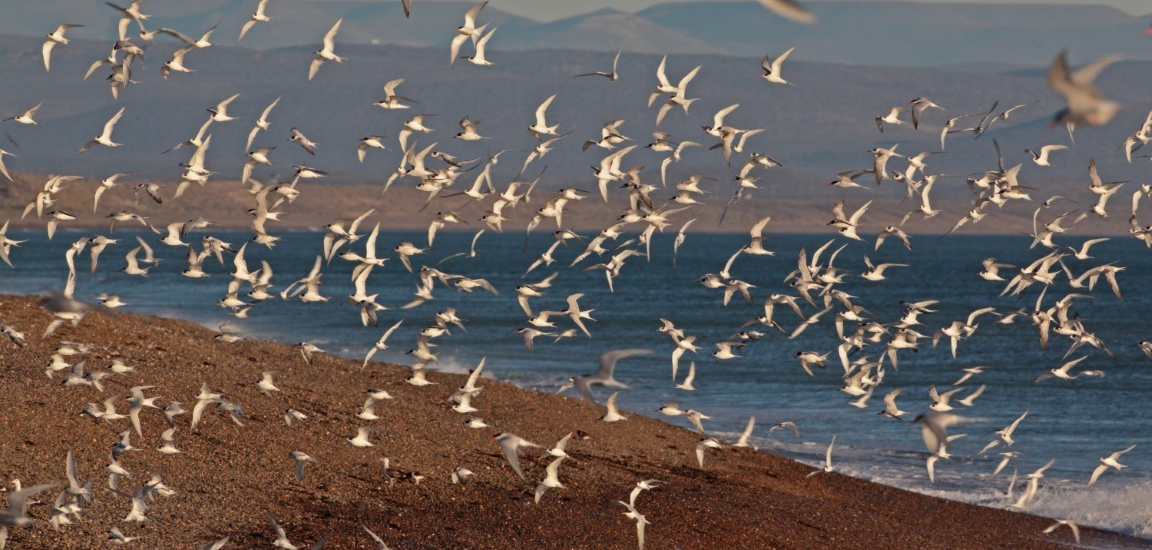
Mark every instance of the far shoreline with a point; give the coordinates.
(405, 208)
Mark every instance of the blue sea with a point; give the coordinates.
(1074, 422)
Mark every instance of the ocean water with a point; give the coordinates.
(1074, 422)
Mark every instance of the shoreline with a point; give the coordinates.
(741, 497)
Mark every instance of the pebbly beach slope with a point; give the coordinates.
(229, 477)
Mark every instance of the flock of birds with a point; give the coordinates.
(867, 346)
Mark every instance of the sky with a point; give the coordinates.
(548, 10)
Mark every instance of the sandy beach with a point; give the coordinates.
(229, 477)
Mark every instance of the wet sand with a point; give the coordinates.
(230, 477)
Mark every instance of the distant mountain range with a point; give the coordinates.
(971, 36)
(820, 126)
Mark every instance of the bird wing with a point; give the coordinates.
(977, 313)
(1116, 455)
(1096, 473)
(217, 545)
(328, 43)
(480, 45)
(838, 210)
(855, 219)
(933, 394)
(691, 375)
(554, 469)
(890, 398)
(687, 78)
(177, 34)
(661, 76)
(470, 15)
(454, 50)
(933, 429)
(758, 229)
(268, 109)
(370, 533)
(390, 87)
(640, 522)
(47, 51)
(223, 105)
(510, 455)
(388, 332)
(611, 404)
(776, 63)
(718, 118)
(581, 384)
(247, 26)
(828, 454)
(70, 469)
(17, 500)
(560, 445)
(608, 359)
(541, 110)
(790, 9)
(475, 375)
(280, 534)
(1015, 423)
(541, 488)
(748, 429)
(315, 66)
(1087, 74)
(108, 126)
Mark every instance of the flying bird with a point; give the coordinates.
(1085, 104)
(772, 67)
(640, 520)
(478, 57)
(827, 460)
(919, 105)
(392, 100)
(302, 140)
(604, 376)
(551, 481)
(4, 168)
(1110, 461)
(1065, 523)
(302, 459)
(105, 137)
(261, 123)
(327, 52)
(790, 9)
(612, 76)
(27, 116)
(374, 536)
(467, 31)
(541, 127)
(197, 43)
(510, 445)
(257, 17)
(55, 37)
(128, 15)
